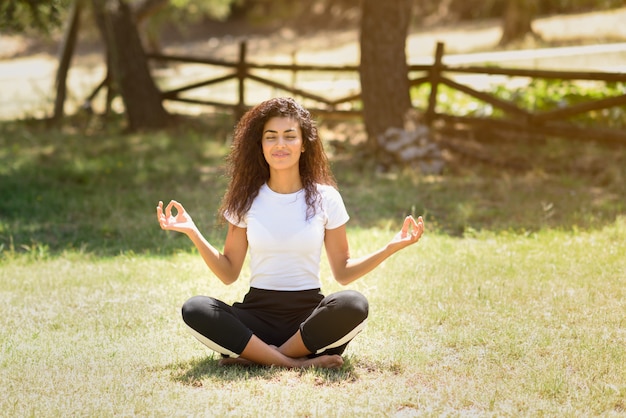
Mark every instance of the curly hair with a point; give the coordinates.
(246, 165)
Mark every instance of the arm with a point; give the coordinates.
(346, 270)
(227, 265)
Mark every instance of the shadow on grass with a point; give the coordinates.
(197, 372)
(64, 191)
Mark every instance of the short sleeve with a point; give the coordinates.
(233, 220)
(334, 208)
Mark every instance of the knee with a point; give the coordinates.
(355, 304)
(193, 309)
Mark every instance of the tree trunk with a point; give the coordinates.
(128, 66)
(65, 57)
(384, 71)
(517, 20)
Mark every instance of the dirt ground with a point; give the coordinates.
(27, 73)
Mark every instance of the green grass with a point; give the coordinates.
(513, 303)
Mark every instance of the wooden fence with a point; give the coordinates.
(243, 70)
(549, 122)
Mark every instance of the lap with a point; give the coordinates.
(275, 316)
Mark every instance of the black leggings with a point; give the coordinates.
(326, 324)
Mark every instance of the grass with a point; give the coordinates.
(511, 305)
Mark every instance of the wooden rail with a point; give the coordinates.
(550, 122)
(243, 70)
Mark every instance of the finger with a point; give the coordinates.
(161, 217)
(405, 225)
(414, 226)
(159, 210)
(419, 228)
(168, 208)
(420, 223)
(179, 207)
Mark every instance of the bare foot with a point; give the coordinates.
(334, 361)
(323, 362)
(229, 361)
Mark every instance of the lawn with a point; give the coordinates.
(512, 304)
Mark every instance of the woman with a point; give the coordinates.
(282, 205)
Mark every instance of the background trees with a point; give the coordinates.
(384, 26)
(127, 65)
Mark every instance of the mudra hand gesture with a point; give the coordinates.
(410, 233)
(181, 222)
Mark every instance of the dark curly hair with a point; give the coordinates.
(246, 165)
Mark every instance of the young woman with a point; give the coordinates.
(281, 205)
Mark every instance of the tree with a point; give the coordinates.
(128, 66)
(517, 20)
(383, 70)
(65, 56)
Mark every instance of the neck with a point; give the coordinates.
(284, 185)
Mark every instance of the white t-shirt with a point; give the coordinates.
(285, 248)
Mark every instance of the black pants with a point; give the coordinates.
(326, 324)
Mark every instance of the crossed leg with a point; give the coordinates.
(327, 330)
(292, 354)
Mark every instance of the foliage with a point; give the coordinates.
(46, 15)
(537, 96)
(42, 15)
(544, 95)
(196, 10)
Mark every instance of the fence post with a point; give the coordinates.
(435, 76)
(294, 73)
(242, 72)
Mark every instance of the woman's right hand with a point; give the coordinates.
(181, 222)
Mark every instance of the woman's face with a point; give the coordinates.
(282, 143)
